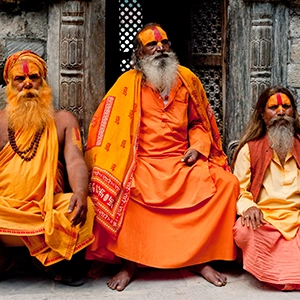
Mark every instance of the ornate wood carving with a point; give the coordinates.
(76, 57)
(257, 58)
(72, 32)
(260, 49)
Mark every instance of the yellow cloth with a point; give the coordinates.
(112, 144)
(29, 208)
(279, 196)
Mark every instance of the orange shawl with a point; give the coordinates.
(112, 145)
(28, 206)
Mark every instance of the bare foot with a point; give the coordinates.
(209, 274)
(122, 279)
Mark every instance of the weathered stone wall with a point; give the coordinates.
(21, 28)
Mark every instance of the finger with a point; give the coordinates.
(253, 222)
(80, 218)
(247, 221)
(77, 216)
(186, 157)
(243, 221)
(71, 205)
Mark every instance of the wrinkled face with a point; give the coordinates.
(25, 75)
(278, 105)
(154, 40)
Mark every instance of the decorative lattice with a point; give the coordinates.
(130, 22)
(211, 79)
(206, 22)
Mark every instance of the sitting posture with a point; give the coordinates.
(36, 144)
(267, 164)
(163, 191)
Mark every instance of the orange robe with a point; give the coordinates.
(177, 215)
(29, 206)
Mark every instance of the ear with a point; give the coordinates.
(140, 53)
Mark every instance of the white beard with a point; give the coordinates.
(281, 136)
(161, 72)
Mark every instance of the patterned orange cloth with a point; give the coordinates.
(24, 55)
(112, 144)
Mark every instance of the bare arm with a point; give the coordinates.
(69, 132)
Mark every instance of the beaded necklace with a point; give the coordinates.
(32, 147)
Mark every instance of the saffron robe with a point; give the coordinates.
(177, 215)
(32, 205)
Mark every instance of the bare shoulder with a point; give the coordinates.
(65, 119)
(3, 120)
(3, 129)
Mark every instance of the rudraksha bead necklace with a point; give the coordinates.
(32, 147)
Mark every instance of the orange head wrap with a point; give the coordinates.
(27, 55)
(151, 34)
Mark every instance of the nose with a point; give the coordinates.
(280, 111)
(27, 84)
(159, 46)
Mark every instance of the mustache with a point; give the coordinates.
(281, 120)
(28, 94)
(160, 55)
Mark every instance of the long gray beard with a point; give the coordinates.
(281, 136)
(160, 72)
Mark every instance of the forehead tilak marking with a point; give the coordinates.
(25, 66)
(279, 99)
(157, 34)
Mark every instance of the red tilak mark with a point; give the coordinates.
(157, 34)
(279, 99)
(25, 67)
(77, 134)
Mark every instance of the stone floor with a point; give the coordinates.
(26, 283)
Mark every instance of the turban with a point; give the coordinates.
(154, 33)
(27, 55)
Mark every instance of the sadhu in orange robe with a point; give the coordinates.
(177, 215)
(32, 205)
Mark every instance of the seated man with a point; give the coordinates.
(160, 182)
(267, 164)
(36, 143)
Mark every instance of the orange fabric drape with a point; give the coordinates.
(29, 208)
(178, 215)
(112, 144)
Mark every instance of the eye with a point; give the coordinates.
(34, 76)
(286, 106)
(166, 42)
(273, 107)
(19, 78)
(152, 44)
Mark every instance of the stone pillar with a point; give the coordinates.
(76, 54)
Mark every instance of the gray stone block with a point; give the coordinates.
(14, 45)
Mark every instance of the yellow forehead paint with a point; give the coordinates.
(76, 138)
(152, 34)
(278, 99)
(24, 68)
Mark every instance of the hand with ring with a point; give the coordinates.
(253, 216)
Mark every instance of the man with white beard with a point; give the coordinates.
(38, 146)
(266, 163)
(160, 181)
